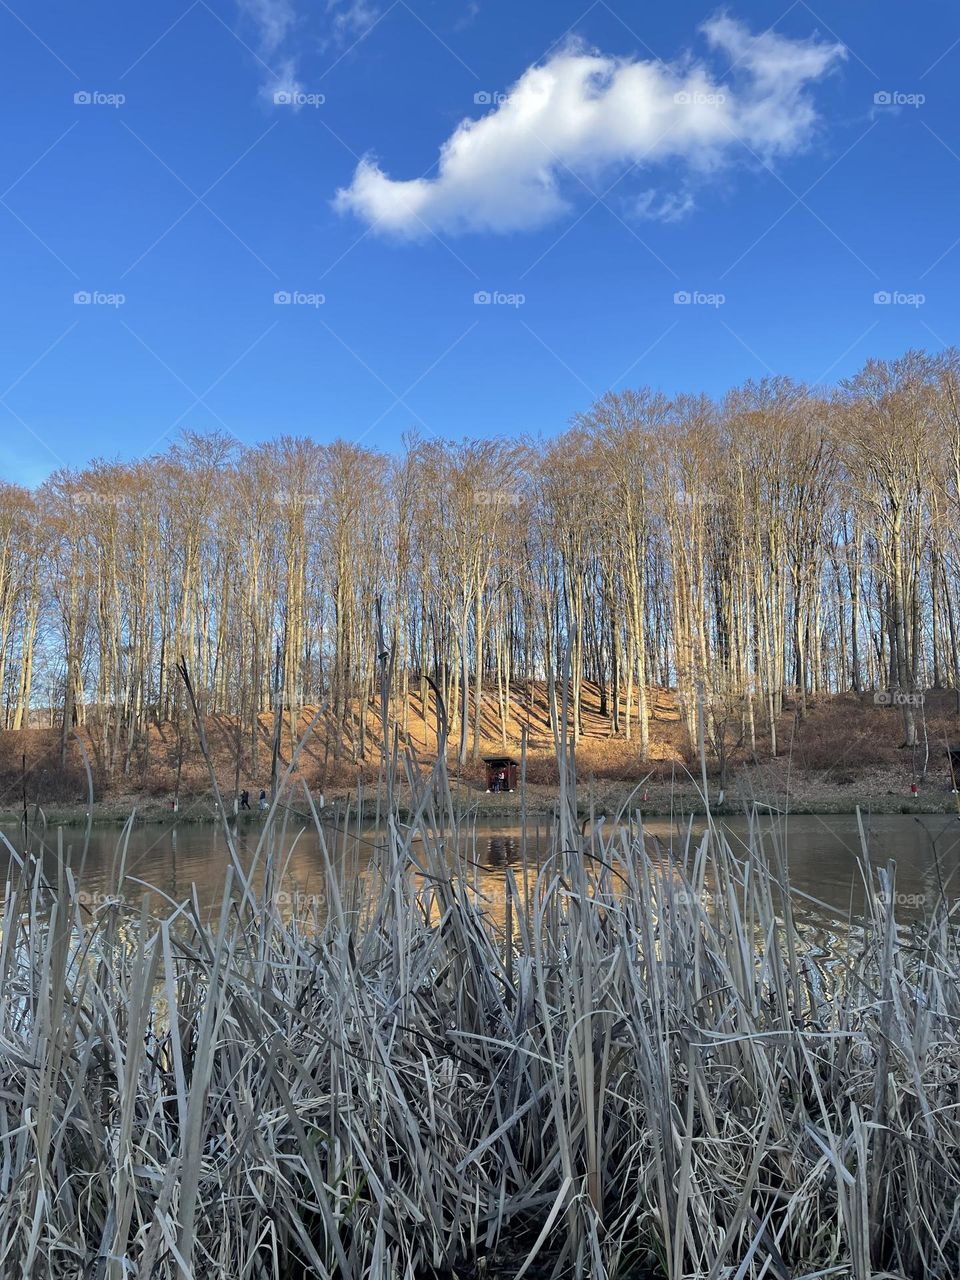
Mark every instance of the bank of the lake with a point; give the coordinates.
(871, 791)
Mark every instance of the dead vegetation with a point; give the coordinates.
(642, 1071)
(843, 740)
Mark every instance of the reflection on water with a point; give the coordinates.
(501, 851)
(192, 861)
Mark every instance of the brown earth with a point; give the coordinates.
(846, 751)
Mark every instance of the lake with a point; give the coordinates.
(823, 860)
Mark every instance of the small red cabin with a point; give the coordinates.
(501, 773)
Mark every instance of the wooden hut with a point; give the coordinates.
(501, 773)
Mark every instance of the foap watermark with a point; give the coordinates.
(897, 298)
(900, 899)
(696, 298)
(897, 698)
(99, 901)
(287, 498)
(497, 497)
(90, 498)
(496, 298)
(95, 298)
(95, 98)
(297, 900)
(704, 498)
(687, 898)
(297, 98)
(696, 98)
(894, 98)
(297, 298)
(490, 98)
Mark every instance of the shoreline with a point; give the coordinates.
(541, 801)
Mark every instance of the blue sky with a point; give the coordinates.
(781, 198)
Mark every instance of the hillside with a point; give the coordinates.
(845, 751)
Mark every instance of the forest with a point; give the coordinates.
(783, 542)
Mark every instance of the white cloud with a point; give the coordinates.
(584, 113)
(654, 206)
(284, 86)
(352, 17)
(471, 11)
(274, 20)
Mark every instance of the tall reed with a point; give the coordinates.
(655, 1076)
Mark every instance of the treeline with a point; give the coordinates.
(781, 543)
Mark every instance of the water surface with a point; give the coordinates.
(824, 852)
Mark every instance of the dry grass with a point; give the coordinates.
(642, 1072)
(844, 741)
